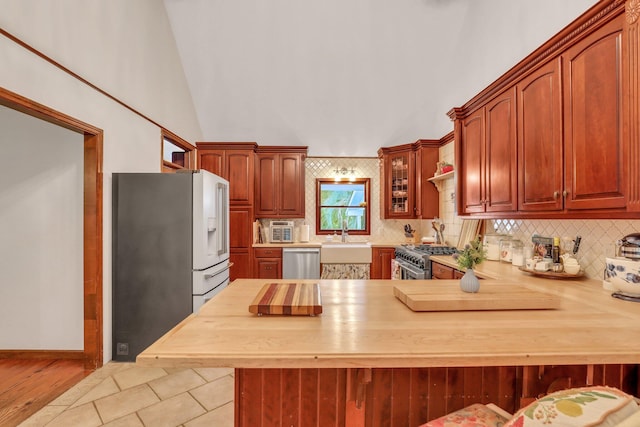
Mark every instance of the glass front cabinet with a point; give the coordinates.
(398, 188)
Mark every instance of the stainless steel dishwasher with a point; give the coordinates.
(301, 263)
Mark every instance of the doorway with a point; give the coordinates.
(92, 353)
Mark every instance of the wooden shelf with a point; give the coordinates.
(437, 179)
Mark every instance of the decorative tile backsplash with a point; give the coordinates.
(363, 167)
(598, 236)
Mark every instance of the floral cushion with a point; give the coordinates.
(578, 407)
(476, 415)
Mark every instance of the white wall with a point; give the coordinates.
(348, 77)
(41, 210)
(122, 45)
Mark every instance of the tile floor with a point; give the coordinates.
(123, 394)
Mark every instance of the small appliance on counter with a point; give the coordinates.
(622, 272)
(281, 232)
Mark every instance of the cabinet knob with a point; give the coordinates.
(556, 194)
(565, 193)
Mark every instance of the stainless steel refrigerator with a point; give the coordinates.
(170, 252)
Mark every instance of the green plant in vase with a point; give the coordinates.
(472, 255)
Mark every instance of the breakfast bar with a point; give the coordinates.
(368, 359)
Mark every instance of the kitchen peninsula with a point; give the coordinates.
(370, 360)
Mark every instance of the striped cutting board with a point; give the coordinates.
(293, 299)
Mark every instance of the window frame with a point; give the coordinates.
(367, 207)
(189, 152)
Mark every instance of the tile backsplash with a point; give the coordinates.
(598, 236)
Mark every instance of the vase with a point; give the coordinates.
(469, 282)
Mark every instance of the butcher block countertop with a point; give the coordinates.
(364, 325)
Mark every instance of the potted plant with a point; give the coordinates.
(472, 255)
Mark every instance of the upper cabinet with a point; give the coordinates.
(551, 138)
(397, 197)
(280, 182)
(487, 159)
(235, 163)
(540, 179)
(593, 161)
(405, 192)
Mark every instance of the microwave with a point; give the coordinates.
(281, 231)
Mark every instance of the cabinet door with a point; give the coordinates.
(500, 154)
(440, 271)
(399, 185)
(540, 140)
(266, 200)
(427, 195)
(268, 268)
(212, 161)
(472, 164)
(594, 173)
(381, 262)
(240, 241)
(239, 167)
(290, 185)
(242, 265)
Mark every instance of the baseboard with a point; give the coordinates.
(41, 354)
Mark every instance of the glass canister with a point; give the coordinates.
(517, 253)
(491, 244)
(505, 249)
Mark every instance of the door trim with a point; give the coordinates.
(93, 230)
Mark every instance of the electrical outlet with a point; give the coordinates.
(122, 349)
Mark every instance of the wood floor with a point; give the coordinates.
(27, 385)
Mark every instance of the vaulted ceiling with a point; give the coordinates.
(346, 77)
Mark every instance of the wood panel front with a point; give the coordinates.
(501, 161)
(212, 161)
(403, 396)
(381, 262)
(472, 164)
(291, 185)
(240, 170)
(540, 179)
(594, 177)
(290, 397)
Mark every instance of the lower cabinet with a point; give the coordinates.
(381, 262)
(398, 397)
(267, 263)
(444, 272)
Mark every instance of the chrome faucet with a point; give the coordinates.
(345, 231)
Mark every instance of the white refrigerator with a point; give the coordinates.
(170, 252)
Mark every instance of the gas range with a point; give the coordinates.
(415, 262)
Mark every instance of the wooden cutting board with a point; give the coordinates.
(447, 296)
(293, 299)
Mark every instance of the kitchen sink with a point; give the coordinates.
(345, 253)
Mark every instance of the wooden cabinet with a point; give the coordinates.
(592, 82)
(397, 192)
(487, 157)
(540, 168)
(268, 263)
(566, 110)
(427, 195)
(235, 163)
(280, 182)
(381, 262)
(583, 170)
(444, 272)
(404, 190)
(440, 271)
